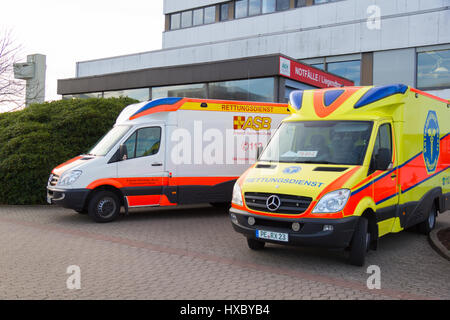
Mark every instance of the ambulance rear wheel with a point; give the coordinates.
(426, 226)
(104, 206)
(255, 244)
(360, 243)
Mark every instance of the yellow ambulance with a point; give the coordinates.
(348, 166)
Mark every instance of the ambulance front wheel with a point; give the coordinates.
(360, 243)
(255, 244)
(104, 206)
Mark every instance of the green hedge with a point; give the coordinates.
(35, 140)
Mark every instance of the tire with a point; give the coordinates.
(360, 243)
(104, 206)
(426, 226)
(255, 244)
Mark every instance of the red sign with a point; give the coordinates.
(303, 73)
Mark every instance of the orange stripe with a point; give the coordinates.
(321, 110)
(146, 200)
(429, 95)
(337, 184)
(158, 181)
(68, 162)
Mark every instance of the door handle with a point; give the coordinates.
(156, 164)
(393, 176)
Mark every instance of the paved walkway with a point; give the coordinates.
(193, 253)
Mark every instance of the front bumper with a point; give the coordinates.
(68, 198)
(310, 234)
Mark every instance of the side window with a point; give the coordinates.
(148, 140)
(131, 146)
(384, 139)
(144, 142)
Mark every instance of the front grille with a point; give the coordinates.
(53, 180)
(289, 204)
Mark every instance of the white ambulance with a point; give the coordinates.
(166, 152)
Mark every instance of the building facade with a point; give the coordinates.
(371, 42)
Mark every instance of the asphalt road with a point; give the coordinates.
(193, 252)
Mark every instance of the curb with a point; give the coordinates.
(437, 245)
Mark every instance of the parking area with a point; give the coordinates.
(192, 252)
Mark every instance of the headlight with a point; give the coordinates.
(332, 202)
(237, 195)
(69, 178)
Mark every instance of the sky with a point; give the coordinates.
(68, 31)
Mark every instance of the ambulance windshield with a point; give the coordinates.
(109, 140)
(324, 142)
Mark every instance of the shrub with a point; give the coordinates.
(35, 140)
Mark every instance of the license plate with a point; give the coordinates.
(269, 235)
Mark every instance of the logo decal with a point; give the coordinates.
(273, 203)
(256, 123)
(285, 67)
(431, 141)
(292, 170)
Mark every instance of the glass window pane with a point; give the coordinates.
(384, 139)
(347, 69)
(131, 146)
(224, 11)
(268, 6)
(198, 17)
(186, 19)
(246, 90)
(210, 14)
(148, 140)
(320, 66)
(254, 7)
(300, 3)
(189, 90)
(175, 21)
(320, 1)
(283, 5)
(138, 94)
(240, 9)
(433, 69)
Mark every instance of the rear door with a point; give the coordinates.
(142, 170)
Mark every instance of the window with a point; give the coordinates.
(254, 7)
(138, 94)
(268, 6)
(383, 140)
(186, 19)
(347, 69)
(283, 5)
(198, 17)
(241, 9)
(210, 14)
(433, 69)
(334, 142)
(320, 66)
(324, 1)
(188, 90)
(144, 142)
(250, 89)
(224, 11)
(300, 3)
(175, 21)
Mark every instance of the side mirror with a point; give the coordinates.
(123, 152)
(259, 150)
(382, 159)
